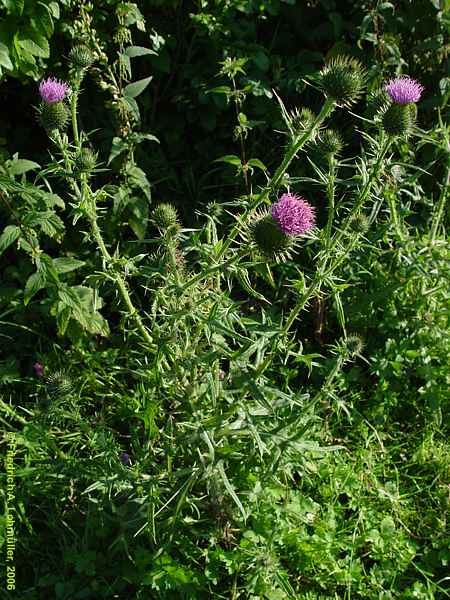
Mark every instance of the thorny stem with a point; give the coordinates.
(91, 215)
(330, 195)
(394, 213)
(437, 217)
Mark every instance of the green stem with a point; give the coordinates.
(331, 200)
(390, 195)
(438, 215)
(119, 280)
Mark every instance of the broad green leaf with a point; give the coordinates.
(8, 236)
(34, 283)
(231, 159)
(5, 60)
(37, 47)
(133, 51)
(20, 166)
(117, 147)
(139, 216)
(66, 264)
(132, 106)
(132, 90)
(255, 162)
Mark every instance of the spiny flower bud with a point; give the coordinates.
(329, 142)
(53, 116)
(343, 80)
(354, 345)
(377, 103)
(81, 57)
(85, 161)
(59, 385)
(165, 216)
(399, 119)
(302, 120)
(359, 223)
(269, 238)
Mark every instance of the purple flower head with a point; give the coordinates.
(52, 90)
(125, 458)
(404, 90)
(293, 214)
(38, 369)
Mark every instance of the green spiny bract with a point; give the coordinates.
(359, 223)
(80, 57)
(399, 119)
(377, 104)
(85, 161)
(301, 120)
(269, 239)
(165, 216)
(354, 345)
(59, 385)
(343, 79)
(329, 143)
(53, 116)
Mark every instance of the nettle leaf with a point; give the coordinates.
(138, 178)
(133, 107)
(133, 51)
(138, 219)
(20, 166)
(118, 146)
(66, 264)
(35, 44)
(8, 237)
(132, 90)
(48, 221)
(35, 282)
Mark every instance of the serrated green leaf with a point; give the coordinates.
(8, 237)
(34, 283)
(133, 107)
(37, 47)
(132, 90)
(20, 166)
(65, 264)
(133, 51)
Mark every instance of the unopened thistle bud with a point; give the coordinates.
(269, 238)
(165, 216)
(354, 345)
(399, 119)
(80, 57)
(302, 120)
(59, 385)
(85, 161)
(53, 116)
(359, 223)
(329, 143)
(343, 80)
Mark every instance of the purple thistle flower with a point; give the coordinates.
(38, 369)
(293, 214)
(404, 90)
(52, 90)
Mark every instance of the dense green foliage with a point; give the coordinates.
(204, 407)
